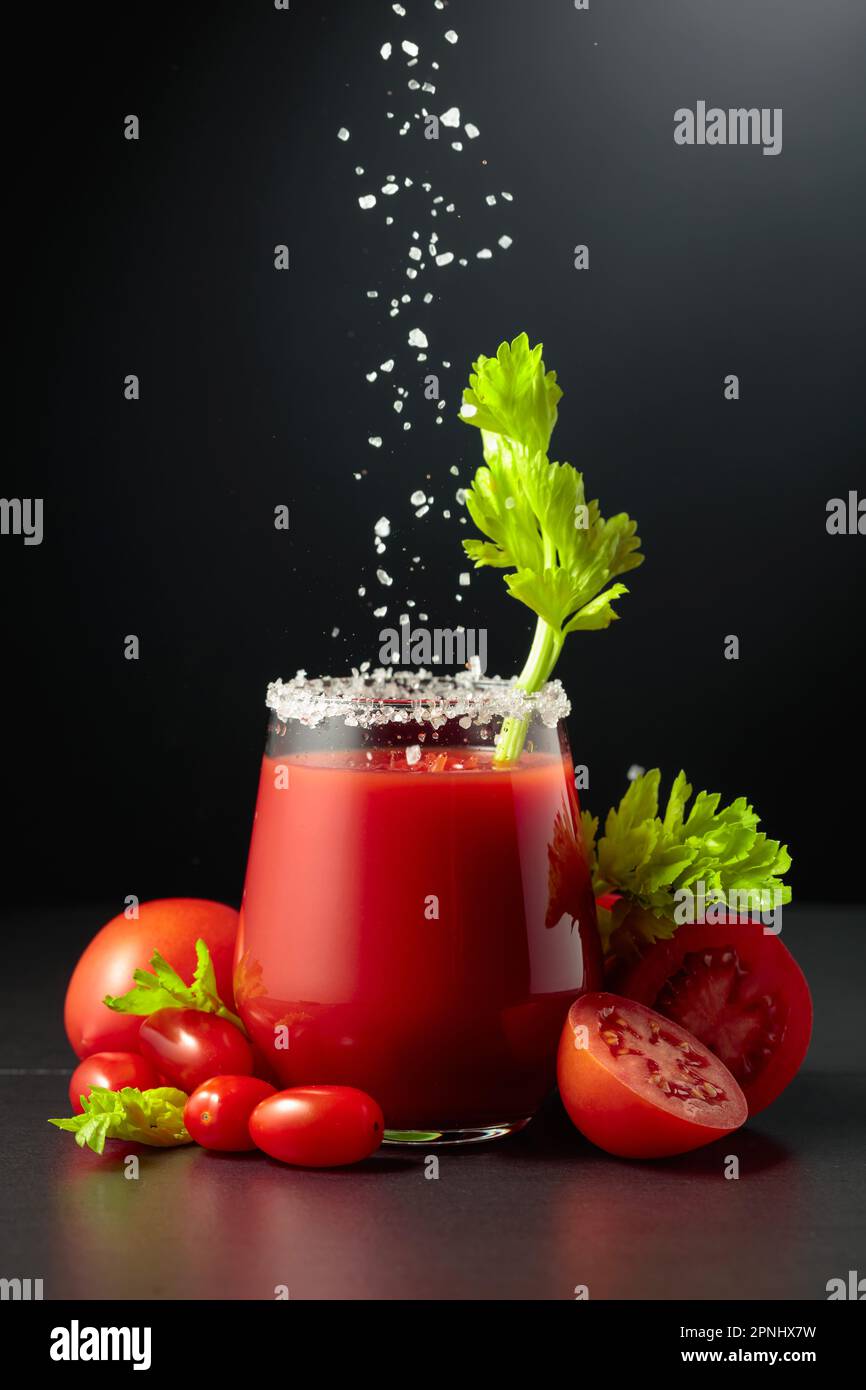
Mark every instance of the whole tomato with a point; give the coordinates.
(318, 1126)
(217, 1113)
(111, 1071)
(170, 926)
(187, 1046)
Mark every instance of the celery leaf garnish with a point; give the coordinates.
(145, 1117)
(162, 988)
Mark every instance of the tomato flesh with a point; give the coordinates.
(111, 1071)
(318, 1126)
(739, 991)
(188, 1046)
(217, 1113)
(640, 1086)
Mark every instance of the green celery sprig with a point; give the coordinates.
(562, 553)
(648, 858)
(162, 988)
(152, 1117)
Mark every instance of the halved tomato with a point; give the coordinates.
(640, 1086)
(739, 991)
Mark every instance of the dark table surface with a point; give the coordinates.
(530, 1217)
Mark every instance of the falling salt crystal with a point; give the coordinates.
(485, 255)
(412, 274)
(372, 294)
(451, 117)
(371, 376)
(446, 513)
(367, 202)
(413, 754)
(382, 527)
(385, 51)
(375, 440)
(428, 87)
(389, 189)
(422, 511)
(414, 86)
(398, 9)
(335, 632)
(384, 578)
(451, 35)
(450, 207)
(465, 579)
(404, 129)
(472, 131)
(403, 619)
(445, 259)
(408, 425)
(380, 546)
(407, 183)
(634, 772)
(467, 410)
(409, 47)
(509, 197)
(398, 406)
(380, 612)
(362, 591)
(387, 366)
(389, 221)
(418, 498)
(357, 477)
(460, 494)
(455, 470)
(342, 133)
(406, 299)
(463, 260)
(490, 200)
(415, 253)
(457, 145)
(505, 242)
(510, 504)
(428, 299)
(359, 169)
(417, 338)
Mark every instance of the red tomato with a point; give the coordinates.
(112, 1071)
(638, 1085)
(217, 1113)
(740, 992)
(318, 1126)
(189, 1046)
(170, 926)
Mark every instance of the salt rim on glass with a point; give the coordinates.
(384, 696)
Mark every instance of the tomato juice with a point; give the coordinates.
(416, 923)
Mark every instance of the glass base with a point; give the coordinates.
(412, 1138)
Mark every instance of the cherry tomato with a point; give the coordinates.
(318, 1126)
(739, 991)
(640, 1086)
(112, 1071)
(189, 1046)
(170, 926)
(217, 1113)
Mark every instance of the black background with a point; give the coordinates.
(156, 258)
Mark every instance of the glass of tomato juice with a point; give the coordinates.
(417, 916)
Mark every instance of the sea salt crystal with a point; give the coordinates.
(398, 406)
(472, 131)
(380, 612)
(367, 202)
(509, 197)
(404, 129)
(635, 771)
(428, 87)
(387, 366)
(463, 260)
(413, 754)
(335, 632)
(505, 242)
(384, 578)
(450, 207)
(457, 145)
(385, 51)
(414, 85)
(412, 274)
(405, 299)
(398, 9)
(451, 35)
(490, 200)
(418, 498)
(362, 591)
(428, 299)
(485, 255)
(451, 117)
(407, 425)
(465, 579)
(445, 259)
(415, 253)
(372, 294)
(467, 410)
(382, 527)
(359, 169)
(389, 189)
(455, 470)
(410, 48)
(389, 221)
(418, 339)
(460, 494)
(422, 511)
(342, 133)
